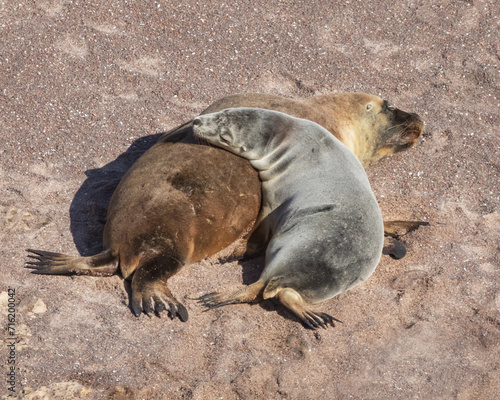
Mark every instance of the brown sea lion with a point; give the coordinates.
(369, 126)
(175, 206)
(188, 201)
(323, 221)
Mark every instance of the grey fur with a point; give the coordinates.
(325, 224)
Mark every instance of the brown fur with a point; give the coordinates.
(174, 206)
(180, 207)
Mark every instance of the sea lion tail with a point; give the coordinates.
(45, 262)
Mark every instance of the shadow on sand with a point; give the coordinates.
(89, 208)
(90, 204)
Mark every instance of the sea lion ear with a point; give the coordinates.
(369, 106)
(243, 149)
(226, 136)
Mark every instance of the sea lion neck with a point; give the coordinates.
(339, 119)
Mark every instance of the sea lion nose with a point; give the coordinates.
(197, 121)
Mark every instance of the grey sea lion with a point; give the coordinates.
(319, 212)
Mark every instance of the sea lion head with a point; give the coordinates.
(373, 128)
(244, 131)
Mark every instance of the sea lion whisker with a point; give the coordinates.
(409, 131)
(396, 126)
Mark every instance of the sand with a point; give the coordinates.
(86, 87)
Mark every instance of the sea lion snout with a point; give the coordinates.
(203, 127)
(405, 130)
(200, 123)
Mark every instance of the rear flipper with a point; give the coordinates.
(292, 300)
(44, 262)
(151, 293)
(248, 294)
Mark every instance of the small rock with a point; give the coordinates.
(39, 307)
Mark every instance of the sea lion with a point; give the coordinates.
(369, 126)
(158, 194)
(169, 210)
(325, 226)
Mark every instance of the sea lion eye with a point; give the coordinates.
(391, 108)
(369, 106)
(223, 140)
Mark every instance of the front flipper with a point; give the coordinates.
(45, 262)
(151, 293)
(248, 294)
(292, 300)
(394, 248)
(396, 229)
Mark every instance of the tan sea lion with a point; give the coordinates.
(369, 126)
(324, 224)
(161, 190)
